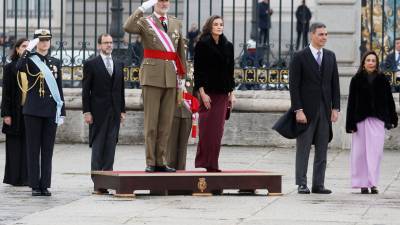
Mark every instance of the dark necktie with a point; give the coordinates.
(163, 23)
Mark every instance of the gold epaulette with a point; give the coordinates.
(39, 77)
(23, 85)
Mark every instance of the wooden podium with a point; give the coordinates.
(187, 182)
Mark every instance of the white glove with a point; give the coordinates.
(181, 84)
(148, 4)
(32, 44)
(61, 120)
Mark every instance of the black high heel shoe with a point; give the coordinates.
(374, 190)
(364, 191)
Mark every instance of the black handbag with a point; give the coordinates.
(228, 113)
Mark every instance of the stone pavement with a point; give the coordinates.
(73, 204)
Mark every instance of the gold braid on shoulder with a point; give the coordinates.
(22, 78)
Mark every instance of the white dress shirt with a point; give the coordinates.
(104, 57)
(396, 56)
(314, 52)
(158, 17)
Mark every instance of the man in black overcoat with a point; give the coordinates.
(264, 21)
(315, 98)
(303, 17)
(103, 102)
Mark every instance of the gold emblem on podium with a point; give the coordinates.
(202, 186)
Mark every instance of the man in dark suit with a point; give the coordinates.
(103, 102)
(303, 16)
(315, 98)
(264, 20)
(392, 63)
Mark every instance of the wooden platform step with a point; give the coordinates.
(125, 183)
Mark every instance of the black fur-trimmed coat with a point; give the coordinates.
(213, 65)
(367, 99)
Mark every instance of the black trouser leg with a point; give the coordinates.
(49, 129)
(321, 146)
(110, 143)
(40, 137)
(33, 127)
(266, 37)
(305, 38)
(262, 36)
(104, 143)
(298, 40)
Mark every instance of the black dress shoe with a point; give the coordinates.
(211, 170)
(100, 191)
(36, 192)
(150, 169)
(320, 190)
(303, 189)
(217, 192)
(374, 190)
(364, 191)
(46, 192)
(165, 169)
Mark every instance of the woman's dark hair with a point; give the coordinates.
(364, 57)
(19, 42)
(207, 27)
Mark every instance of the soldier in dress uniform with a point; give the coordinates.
(41, 80)
(162, 69)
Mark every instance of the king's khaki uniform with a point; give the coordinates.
(158, 78)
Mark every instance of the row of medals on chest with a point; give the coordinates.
(175, 35)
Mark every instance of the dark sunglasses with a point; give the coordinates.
(44, 39)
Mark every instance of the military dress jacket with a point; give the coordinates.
(36, 103)
(157, 72)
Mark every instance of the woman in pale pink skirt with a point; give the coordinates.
(370, 110)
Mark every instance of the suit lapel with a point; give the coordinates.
(116, 74)
(101, 64)
(310, 58)
(324, 63)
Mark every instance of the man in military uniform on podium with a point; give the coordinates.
(162, 69)
(41, 82)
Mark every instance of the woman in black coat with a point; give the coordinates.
(370, 110)
(16, 172)
(213, 78)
